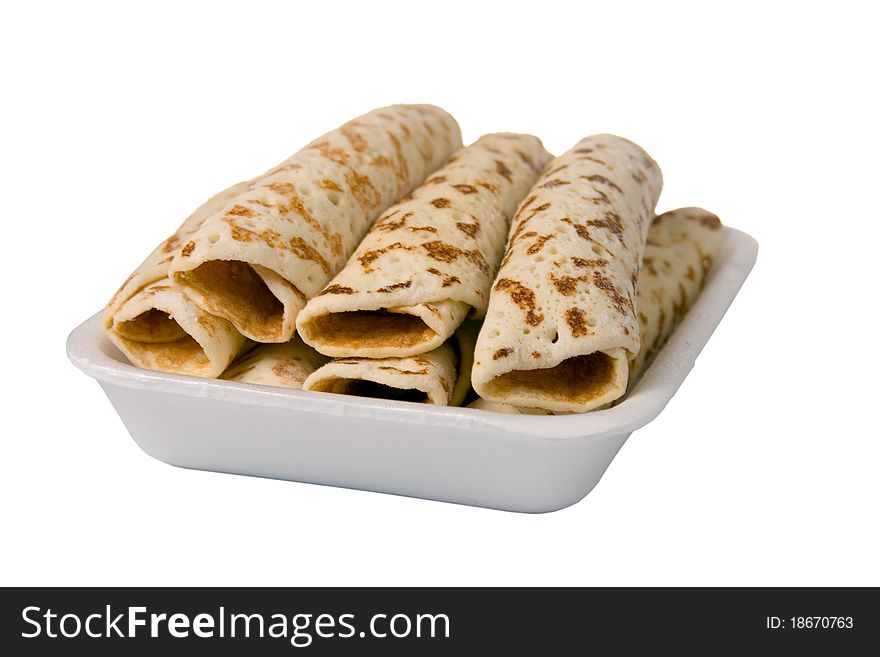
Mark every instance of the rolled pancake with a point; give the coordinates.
(157, 327)
(257, 260)
(561, 324)
(285, 365)
(681, 246)
(428, 262)
(427, 378)
(440, 376)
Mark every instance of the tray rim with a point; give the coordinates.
(91, 351)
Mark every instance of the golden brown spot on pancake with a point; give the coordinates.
(470, 230)
(447, 280)
(391, 368)
(387, 225)
(536, 354)
(402, 170)
(602, 180)
(187, 249)
(289, 370)
(556, 182)
(208, 324)
(465, 189)
(363, 190)
(579, 379)
(436, 180)
(335, 289)
(329, 184)
(332, 153)
(677, 311)
(489, 186)
(610, 221)
(536, 210)
(580, 229)
(428, 128)
(156, 289)
(596, 160)
(170, 244)
(525, 158)
(303, 250)
(539, 244)
(522, 224)
(503, 171)
(601, 199)
(522, 297)
(241, 234)
(380, 161)
(710, 221)
(369, 257)
(566, 285)
(561, 167)
(690, 274)
(648, 264)
(527, 202)
(502, 353)
(364, 329)
(427, 229)
(441, 203)
(638, 176)
(284, 167)
(357, 142)
(634, 277)
(583, 150)
(577, 322)
(433, 309)
(583, 263)
(444, 252)
(643, 318)
(295, 204)
(620, 302)
(396, 286)
(241, 211)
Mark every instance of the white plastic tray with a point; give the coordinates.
(513, 462)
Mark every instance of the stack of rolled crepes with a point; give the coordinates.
(394, 317)
(384, 260)
(239, 270)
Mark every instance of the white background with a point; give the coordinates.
(117, 121)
